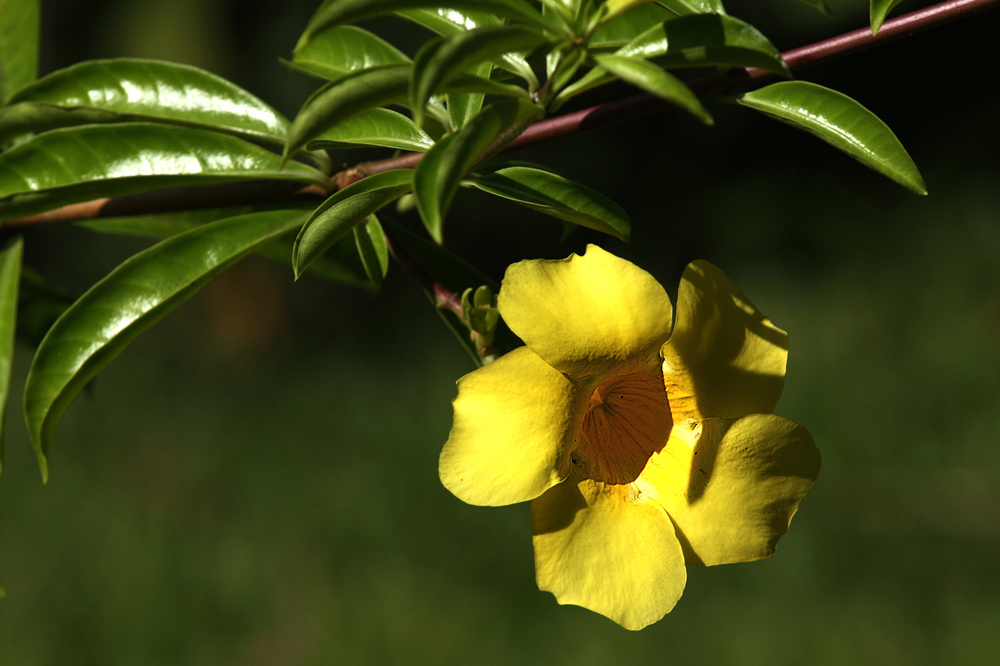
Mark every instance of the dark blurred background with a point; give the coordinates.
(254, 481)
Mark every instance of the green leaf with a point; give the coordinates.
(625, 27)
(343, 49)
(82, 163)
(375, 127)
(160, 225)
(336, 12)
(130, 89)
(693, 40)
(372, 249)
(436, 177)
(351, 206)
(357, 92)
(651, 78)
(19, 20)
(340, 264)
(707, 40)
(134, 296)
(879, 10)
(449, 22)
(841, 122)
(554, 195)
(439, 62)
(462, 107)
(10, 277)
(685, 7)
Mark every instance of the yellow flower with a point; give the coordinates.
(643, 449)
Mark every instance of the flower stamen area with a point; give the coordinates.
(627, 421)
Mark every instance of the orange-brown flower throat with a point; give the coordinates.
(627, 421)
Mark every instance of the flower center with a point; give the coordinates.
(628, 420)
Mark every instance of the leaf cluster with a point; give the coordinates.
(488, 70)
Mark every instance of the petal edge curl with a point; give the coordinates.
(724, 359)
(733, 488)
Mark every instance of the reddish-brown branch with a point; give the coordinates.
(639, 106)
(596, 117)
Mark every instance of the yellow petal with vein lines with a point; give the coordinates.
(733, 488)
(607, 548)
(514, 429)
(724, 358)
(587, 315)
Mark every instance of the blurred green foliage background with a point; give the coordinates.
(254, 481)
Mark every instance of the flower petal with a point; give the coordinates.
(514, 428)
(732, 487)
(607, 548)
(724, 358)
(586, 315)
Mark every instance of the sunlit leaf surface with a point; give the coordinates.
(374, 127)
(82, 163)
(348, 11)
(344, 49)
(132, 89)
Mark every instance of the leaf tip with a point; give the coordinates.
(43, 466)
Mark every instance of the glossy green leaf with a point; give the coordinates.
(554, 195)
(653, 79)
(130, 89)
(344, 210)
(343, 49)
(337, 12)
(463, 107)
(357, 92)
(880, 9)
(624, 28)
(10, 277)
(684, 7)
(436, 177)
(372, 249)
(19, 20)
(439, 62)
(566, 67)
(339, 264)
(694, 40)
(707, 40)
(130, 299)
(375, 127)
(449, 22)
(82, 163)
(841, 122)
(161, 225)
